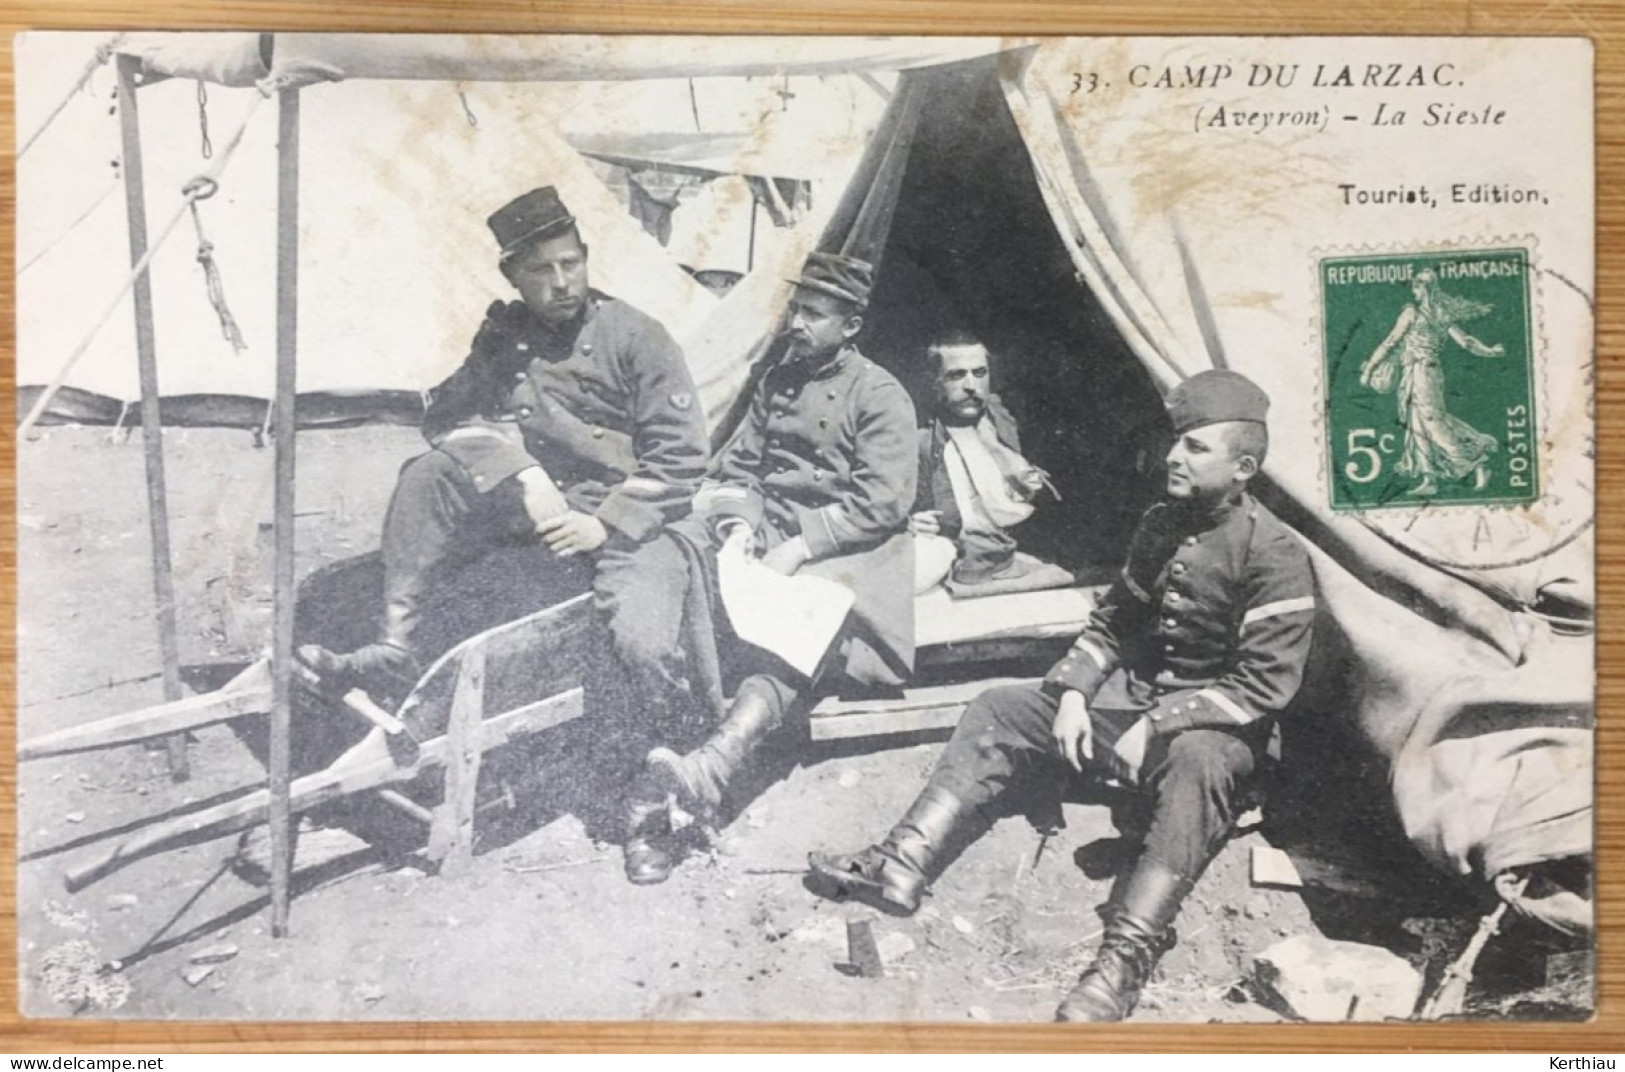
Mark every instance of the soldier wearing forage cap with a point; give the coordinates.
(820, 478)
(1174, 685)
(572, 425)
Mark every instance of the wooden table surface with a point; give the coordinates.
(1601, 20)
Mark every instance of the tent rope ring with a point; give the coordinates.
(198, 189)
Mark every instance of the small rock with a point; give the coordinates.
(825, 930)
(74, 817)
(849, 779)
(119, 902)
(976, 1012)
(894, 946)
(69, 919)
(1321, 979)
(196, 974)
(214, 954)
(368, 994)
(963, 925)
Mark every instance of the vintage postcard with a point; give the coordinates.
(943, 529)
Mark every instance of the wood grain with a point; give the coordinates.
(1601, 20)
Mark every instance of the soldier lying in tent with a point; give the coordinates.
(974, 484)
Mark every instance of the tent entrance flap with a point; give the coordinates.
(969, 243)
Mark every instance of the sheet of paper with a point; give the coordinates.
(795, 618)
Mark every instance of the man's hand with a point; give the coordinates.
(1074, 734)
(544, 503)
(573, 533)
(926, 523)
(788, 556)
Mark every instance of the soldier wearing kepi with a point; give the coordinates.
(1174, 685)
(572, 424)
(820, 479)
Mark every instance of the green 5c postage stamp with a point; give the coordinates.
(1429, 379)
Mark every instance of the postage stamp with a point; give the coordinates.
(1429, 379)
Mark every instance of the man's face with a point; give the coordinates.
(962, 376)
(551, 277)
(819, 323)
(1202, 465)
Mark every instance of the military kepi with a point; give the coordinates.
(537, 214)
(1213, 396)
(847, 278)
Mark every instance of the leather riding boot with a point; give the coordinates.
(893, 874)
(1138, 931)
(386, 669)
(698, 780)
(648, 854)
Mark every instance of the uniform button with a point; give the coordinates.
(586, 347)
(1172, 597)
(823, 423)
(1163, 677)
(524, 411)
(773, 441)
(1169, 623)
(1155, 714)
(1168, 649)
(817, 476)
(598, 433)
(523, 347)
(520, 376)
(1190, 541)
(1179, 568)
(831, 396)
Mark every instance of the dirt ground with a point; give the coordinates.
(543, 926)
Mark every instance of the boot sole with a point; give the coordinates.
(858, 888)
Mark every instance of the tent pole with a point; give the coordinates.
(750, 254)
(152, 434)
(282, 595)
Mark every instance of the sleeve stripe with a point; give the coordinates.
(473, 432)
(1138, 592)
(1090, 650)
(1225, 704)
(831, 517)
(709, 496)
(646, 484)
(1279, 607)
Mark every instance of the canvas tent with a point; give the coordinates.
(1476, 686)
(378, 218)
(1103, 271)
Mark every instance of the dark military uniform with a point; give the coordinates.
(828, 453)
(1197, 646)
(606, 406)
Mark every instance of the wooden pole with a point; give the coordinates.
(152, 435)
(282, 591)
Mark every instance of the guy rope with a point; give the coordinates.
(198, 189)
